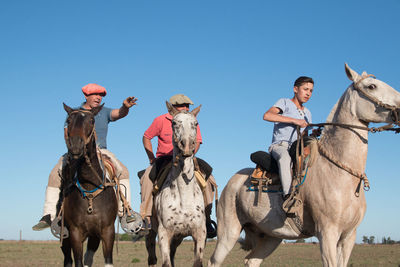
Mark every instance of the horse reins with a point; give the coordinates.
(388, 127)
(91, 194)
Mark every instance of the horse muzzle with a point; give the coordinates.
(76, 147)
(395, 114)
(187, 154)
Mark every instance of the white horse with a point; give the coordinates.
(179, 207)
(334, 203)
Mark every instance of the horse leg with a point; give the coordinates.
(164, 240)
(174, 244)
(263, 248)
(151, 248)
(108, 237)
(92, 246)
(77, 246)
(66, 249)
(345, 247)
(199, 238)
(328, 240)
(228, 232)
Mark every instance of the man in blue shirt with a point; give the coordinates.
(94, 94)
(287, 114)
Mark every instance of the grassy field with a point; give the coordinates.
(48, 253)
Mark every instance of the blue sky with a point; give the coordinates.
(236, 58)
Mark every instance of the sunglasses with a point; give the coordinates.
(181, 105)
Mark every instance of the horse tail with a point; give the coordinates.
(248, 242)
(245, 244)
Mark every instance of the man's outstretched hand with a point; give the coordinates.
(130, 101)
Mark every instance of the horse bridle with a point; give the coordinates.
(394, 110)
(91, 194)
(86, 139)
(389, 127)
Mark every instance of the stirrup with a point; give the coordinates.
(56, 229)
(134, 225)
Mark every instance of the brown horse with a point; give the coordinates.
(89, 205)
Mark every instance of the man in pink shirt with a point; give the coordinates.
(162, 128)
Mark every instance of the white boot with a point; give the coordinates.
(132, 223)
(126, 191)
(49, 209)
(50, 203)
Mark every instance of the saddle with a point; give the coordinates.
(111, 179)
(267, 170)
(109, 167)
(163, 165)
(265, 178)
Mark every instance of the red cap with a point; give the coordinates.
(93, 88)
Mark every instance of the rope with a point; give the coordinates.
(388, 127)
(331, 158)
(61, 214)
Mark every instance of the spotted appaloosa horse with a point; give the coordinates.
(332, 207)
(81, 176)
(179, 205)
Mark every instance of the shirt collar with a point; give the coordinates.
(81, 107)
(168, 116)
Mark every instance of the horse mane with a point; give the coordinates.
(313, 151)
(334, 111)
(332, 117)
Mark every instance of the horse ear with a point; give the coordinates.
(351, 74)
(196, 111)
(67, 108)
(171, 109)
(96, 110)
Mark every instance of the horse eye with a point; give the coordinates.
(372, 86)
(196, 123)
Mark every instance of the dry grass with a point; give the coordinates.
(42, 253)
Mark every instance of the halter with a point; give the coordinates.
(86, 139)
(389, 127)
(91, 194)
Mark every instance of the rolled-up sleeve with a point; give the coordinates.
(154, 129)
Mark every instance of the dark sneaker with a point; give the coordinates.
(211, 229)
(146, 227)
(44, 223)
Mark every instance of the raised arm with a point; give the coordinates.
(121, 112)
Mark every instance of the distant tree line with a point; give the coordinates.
(127, 237)
(385, 240)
